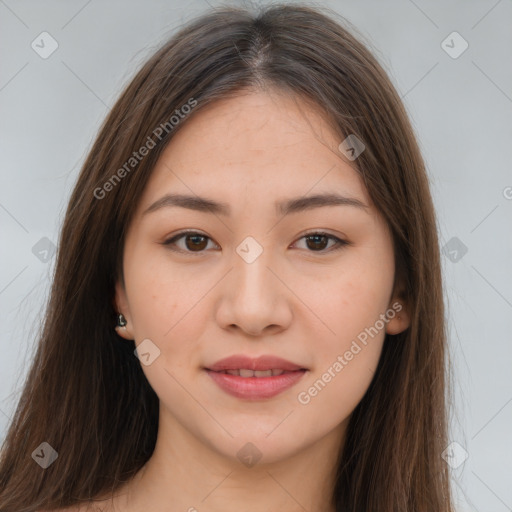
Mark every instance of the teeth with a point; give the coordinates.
(254, 373)
(263, 373)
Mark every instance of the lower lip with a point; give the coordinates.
(255, 387)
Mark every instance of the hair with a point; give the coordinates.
(85, 392)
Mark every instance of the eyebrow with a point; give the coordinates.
(294, 205)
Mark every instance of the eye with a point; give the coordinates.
(318, 240)
(196, 242)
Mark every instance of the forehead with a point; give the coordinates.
(255, 146)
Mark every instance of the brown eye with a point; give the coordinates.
(317, 242)
(197, 242)
(193, 242)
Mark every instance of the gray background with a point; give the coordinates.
(461, 110)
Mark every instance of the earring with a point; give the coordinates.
(121, 321)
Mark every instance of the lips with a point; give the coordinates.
(245, 372)
(253, 379)
(262, 363)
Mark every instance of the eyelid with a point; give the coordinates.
(340, 242)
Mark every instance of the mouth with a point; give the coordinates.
(246, 373)
(264, 363)
(259, 378)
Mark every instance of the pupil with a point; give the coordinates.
(311, 237)
(190, 237)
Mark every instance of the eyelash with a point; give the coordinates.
(340, 243)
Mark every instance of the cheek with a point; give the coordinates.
(336, 390)
(347, 354)
(346, 360)
(351, 352)
(154, 289)
(348, 302)
(167, 308)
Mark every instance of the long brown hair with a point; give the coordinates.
(86, 394)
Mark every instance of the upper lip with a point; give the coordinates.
(265, 362)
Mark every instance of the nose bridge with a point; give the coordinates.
(252, 295)
(250, 268)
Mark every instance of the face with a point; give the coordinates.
(310, 282)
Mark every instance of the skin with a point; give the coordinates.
(296, 301)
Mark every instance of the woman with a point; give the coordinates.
(247, 308)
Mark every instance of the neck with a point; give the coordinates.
(184, 474)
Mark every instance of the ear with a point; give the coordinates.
(399, 316)
(121, 306)
(398, 311)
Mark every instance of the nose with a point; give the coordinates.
(254, 298)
